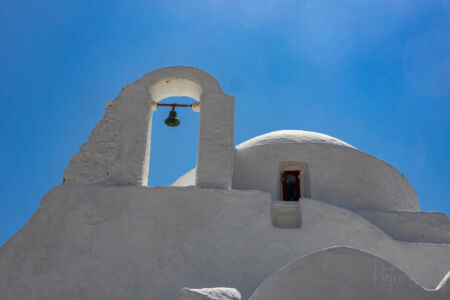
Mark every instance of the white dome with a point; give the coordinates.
(291, 137)
(334, 171)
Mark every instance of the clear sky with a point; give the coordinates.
(373, 73)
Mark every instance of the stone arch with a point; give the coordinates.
(117, 152)
(179, 81)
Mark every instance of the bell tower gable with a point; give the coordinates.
(117, 152)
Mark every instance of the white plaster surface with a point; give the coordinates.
(286, 214)
(412, 226)
(215, 159)
(93, 242)
(335, 172)
(117, 151)
(343, 273)
(291, 137)
(175, 87)
(219, 293)
(187, 179)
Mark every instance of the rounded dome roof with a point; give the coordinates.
(291, 137)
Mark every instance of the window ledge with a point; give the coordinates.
(286, 214)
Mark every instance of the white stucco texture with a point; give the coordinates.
(187, 179)
(219, 293)
(291, 137)
(93, 242)
(335, 172)
(412, 226)
(343, 273)
(117, 151)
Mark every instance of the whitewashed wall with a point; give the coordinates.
(94, 242)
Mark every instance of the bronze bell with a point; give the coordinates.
(172, 120)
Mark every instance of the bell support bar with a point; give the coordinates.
(195, 105)
(173, 105)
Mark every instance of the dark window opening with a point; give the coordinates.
(290, 181)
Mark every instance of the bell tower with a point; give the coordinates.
(117, 152)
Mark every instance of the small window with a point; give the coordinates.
(290, 183)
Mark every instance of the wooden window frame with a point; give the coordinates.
(297, 183)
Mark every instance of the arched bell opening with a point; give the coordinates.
(117, 152)
(173, 148)
(214, 159)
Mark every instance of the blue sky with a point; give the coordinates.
(373, 73)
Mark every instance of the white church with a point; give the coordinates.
(283, 216)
